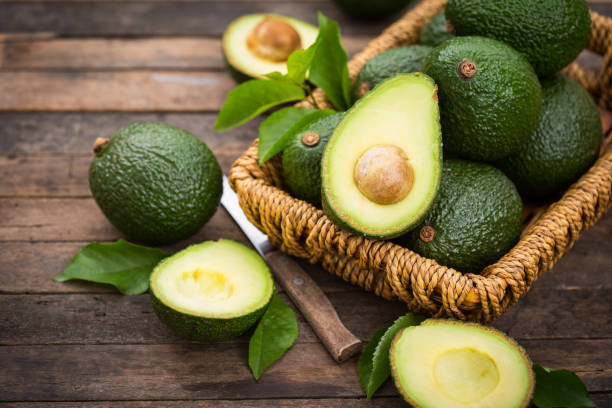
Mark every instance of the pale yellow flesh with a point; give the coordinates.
(243, 59)
(402, 114)
(460, 366)
(214, 279)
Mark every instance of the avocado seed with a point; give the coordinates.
(383, 174)
(274, 40)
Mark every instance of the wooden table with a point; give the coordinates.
(75, 70)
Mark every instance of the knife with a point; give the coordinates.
(303, 291)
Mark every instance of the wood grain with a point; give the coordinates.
(23, 53)
(200, 371)
(376, 402)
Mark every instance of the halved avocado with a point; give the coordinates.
(257, 44)
(445, 363)
(215, 290)
(381, 168)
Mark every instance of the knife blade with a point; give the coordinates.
(301, 288)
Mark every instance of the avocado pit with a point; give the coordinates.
(383, 174)
(274, 40)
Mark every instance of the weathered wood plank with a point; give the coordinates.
(114, 91)
(115, 319)
(145, 18)
(193, 371)
(386, 402)
(122, 53)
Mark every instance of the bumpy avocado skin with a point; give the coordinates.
(371, 9)
(302, 164)
(434, 32)
(564, 145)
(476, 216)
(156, 183)
(550, 33)
(388, 63)
(490, 115)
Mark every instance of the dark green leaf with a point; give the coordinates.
(373, 373)
(253, 97)
(299, 62)
(328, 70)
(559, 388)
(124, 265)
(276, 131)
(275, 333)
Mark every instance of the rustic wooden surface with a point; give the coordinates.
(71, 71)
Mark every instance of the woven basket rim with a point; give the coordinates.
(393, 271)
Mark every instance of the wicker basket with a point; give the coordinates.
(394, 272)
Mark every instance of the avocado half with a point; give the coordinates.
(446, 363)
(211, 291)
(257, 44)
(381, 167)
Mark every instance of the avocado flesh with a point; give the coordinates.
(156, 183)
(475, 219)
(550, 33)
(211, 291)
(399, 60)
(444, 363)
(401, 112)
(435, 31)
(487, 112)
(563, 146)
(243, 63)
(302, 163)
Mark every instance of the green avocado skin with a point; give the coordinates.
(156, 183)
(477, 218)
(302, 164)
(371, 9)
(550, 33)
(398, 60)
(435, 32)
(204, 329)
(490, 115)
(564, 145)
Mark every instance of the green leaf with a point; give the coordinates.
(328, 70)
(559, 388)
(299, 62)
(275, 333)
(124, 265)
(276, 131)
(374, 366)
(253, 97)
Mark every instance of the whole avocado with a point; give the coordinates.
(563, 146)
(156, 183)
(388, 63)
(550, 33)
(435, 32)
(302, 159)
(371, 9)
(475, 219)
(489, 95)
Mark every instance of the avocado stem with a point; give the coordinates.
(466, 68)
(100, 144)
(427, 233)
(310, 139)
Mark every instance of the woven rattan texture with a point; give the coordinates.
(394, 272)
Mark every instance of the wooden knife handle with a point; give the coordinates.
(314, 305)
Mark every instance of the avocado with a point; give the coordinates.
(447, 363)
(371, 9)
(156, 183)
(564, 145)
(490, 97)
(388, 63)
(435, 32)
(381, 167)
(550, 33)
(211, 291)
(302, 159)
(475, 219)
(257, 44)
